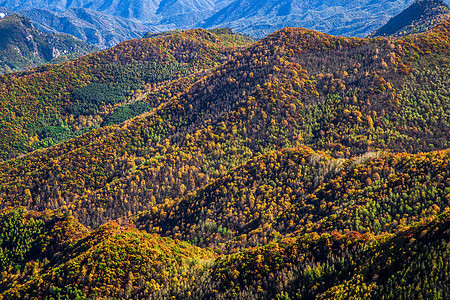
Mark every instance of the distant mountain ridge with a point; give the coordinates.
(105, 24)
(127, 9)
(149, 10)
(257, 18)
(348, 18)
(419, 17)
(101, 30)
(201, 164)
(23, 47)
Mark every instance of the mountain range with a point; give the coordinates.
(202, 164)
(105, 23)
(348, 18)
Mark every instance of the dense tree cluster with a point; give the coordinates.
(118, 72)
(123, 262)
(294, 192)
(295, 163)
(344, 96)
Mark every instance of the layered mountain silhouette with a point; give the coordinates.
(349, 18)
(101, 30)
(104, 23)
(125, 9)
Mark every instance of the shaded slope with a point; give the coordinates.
(421, 16)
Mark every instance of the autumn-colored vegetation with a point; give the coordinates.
(197, 165)
(420, 17)
(122, 262)
(54, 103)
(52, 256)
(295, 192)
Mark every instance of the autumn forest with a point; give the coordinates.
(203, 164)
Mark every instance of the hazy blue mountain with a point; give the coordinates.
(139, 9)
(187, 13)
(93, 27)
(23, 47)
(107, 22)
(342, 17)
(419, 17)
(149, 10)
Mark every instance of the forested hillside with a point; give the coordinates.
(47, 256)
(296, 192)
(343, 96)
(204, 165)
(50, 256)
(55, 103)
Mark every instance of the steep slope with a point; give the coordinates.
(419, 17)
(23, 47)
(56, 103)
(344, 96)
(101, 30)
